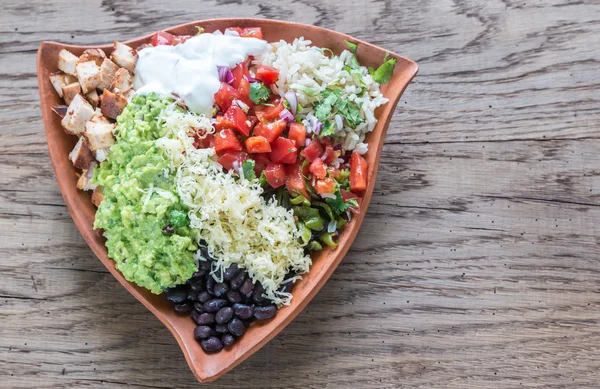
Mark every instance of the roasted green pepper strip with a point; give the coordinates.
(340, 222)
(327, 238)
(300, 200)
(326, 207)
(315, 246)
(304, 233)
(310, 216)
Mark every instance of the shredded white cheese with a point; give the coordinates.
(238, 225)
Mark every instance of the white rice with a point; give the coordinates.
(307, 70)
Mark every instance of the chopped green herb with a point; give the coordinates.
(259, 93)
(306, 90)
(262, 180)
(384, 72)
(248, 170)
(351, 46)
(324, 106)
(328, 128)
(333, 102)
(338, 205)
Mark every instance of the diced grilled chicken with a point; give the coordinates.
(70, 91)
(98, 117)
(101, 154)
(69, 79)
(129, 94)
(79, 112)
(81, 156)
(58, 81)
(99, 135)
(112, 104)
(107, 72)
(88, 74)
(93, 98)
(60, 110)
(67, 62)
(96, 55)
(84, 181)
(97, 196)
(124, 56)
(121, 82)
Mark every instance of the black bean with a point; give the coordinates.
(224, 315)
(210, 284)
(184, 307)
(247, 288)
(168, 229)
(204, 296)
(238, 281)
(199, 274)
(248, 300)
(287, 287)
(220, 289)
(206, 319)
(212, 344)
(177, 294)
(236, 327)
(231, 272)
(197, 285)
(203, 332)
(257, 294)
(215, 304)
(192, 296)
(234, 296)
(243, 311)
(227, 339)
(199, 307)
(221, 328)
(266, 312)
(195, 316)
(204, 265)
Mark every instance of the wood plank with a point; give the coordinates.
(477, 262)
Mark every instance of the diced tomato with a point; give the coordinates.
(239, 30)
(239, 72)
(313, 151)
(267, 74)
(297, 134)
(283, 151)
(331, 155)
(180, 39)
(260, 162)
(349, 195)
(271, 131)
(236, 116)
(333, 172)
(267, 113)
(324, 186)
(252, 32)
(275, 174)
(232, 160)
(258, 144)
(358, 172)
(318, 168)
(294, 182)
(162, 38)
(225, 140)
(203, 143)
(244, 92)
(225, 96)
(222, 122)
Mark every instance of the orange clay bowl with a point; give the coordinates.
(208, 367)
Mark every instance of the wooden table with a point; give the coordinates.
(477, 264)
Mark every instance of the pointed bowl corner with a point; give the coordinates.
(204, 366)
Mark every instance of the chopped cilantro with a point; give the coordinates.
(324, 106)
(248, 170)
(338, 205)
(259, 93)
(351, 46)
(328, 128)
(333, 102)
(262, 180)
(384, 72)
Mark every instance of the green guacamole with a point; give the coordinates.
(144, 222)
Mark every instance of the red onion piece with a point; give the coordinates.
(292, 99)
(250, 79)
(225, 74)
(286, 115)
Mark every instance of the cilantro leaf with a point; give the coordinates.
(349, 110)
(248, 170)
(324, 106)
(384, 72)
(259, 93)
(262, 180)
(351, 46)
(333, 102)
(338, 205)
(328, 128)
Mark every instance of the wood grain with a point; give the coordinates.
(476, 266)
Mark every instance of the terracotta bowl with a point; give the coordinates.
(208, 367)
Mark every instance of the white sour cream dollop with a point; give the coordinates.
(190, 69)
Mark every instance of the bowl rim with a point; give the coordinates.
(201, 372)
